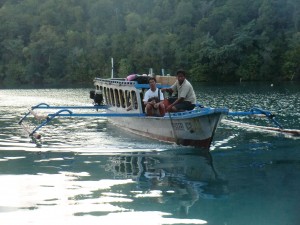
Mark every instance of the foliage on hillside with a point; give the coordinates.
(72, 41)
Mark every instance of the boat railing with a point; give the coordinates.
(122, 82)
(116, 81)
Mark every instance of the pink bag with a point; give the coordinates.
(131, 77)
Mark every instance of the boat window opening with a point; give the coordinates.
(122, 98)
(105, 95)
(134, 100)
(108, 96)
(117, 103)
(142, 93)
(127, 98)
(112, 97)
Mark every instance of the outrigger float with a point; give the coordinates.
(120, 101)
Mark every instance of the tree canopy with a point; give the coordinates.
(51, 42)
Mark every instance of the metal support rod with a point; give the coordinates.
(101, 115)
(258, 111)
(49, 118)
(46, 106)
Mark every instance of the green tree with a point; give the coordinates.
(51, 42)
(291, 66)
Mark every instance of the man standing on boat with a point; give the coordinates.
(186, 99)
(153, 100)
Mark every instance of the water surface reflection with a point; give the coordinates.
(90, 172)
(138, 187)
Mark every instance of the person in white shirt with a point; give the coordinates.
(153, 100)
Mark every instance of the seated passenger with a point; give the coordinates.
(153, 100)
(186, 99)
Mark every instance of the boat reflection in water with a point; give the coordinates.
(181, 179)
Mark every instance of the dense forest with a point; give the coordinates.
(51, 42)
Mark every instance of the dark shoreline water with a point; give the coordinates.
(282, 84)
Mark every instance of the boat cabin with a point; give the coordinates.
(125, 96)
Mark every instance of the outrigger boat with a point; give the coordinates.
(120, 101)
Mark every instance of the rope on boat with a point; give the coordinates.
(173, 128)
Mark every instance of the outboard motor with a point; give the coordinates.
(97, 97)
(92, 94)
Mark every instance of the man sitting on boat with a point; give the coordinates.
(186, 99)
(153, 100)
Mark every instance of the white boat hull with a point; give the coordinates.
(190, 128)
(197, 131)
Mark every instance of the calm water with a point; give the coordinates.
(90, 172)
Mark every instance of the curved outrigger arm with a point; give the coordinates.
(251, 112)
(44, 105)
(258, 111)
(66, 112)
(49, 118)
